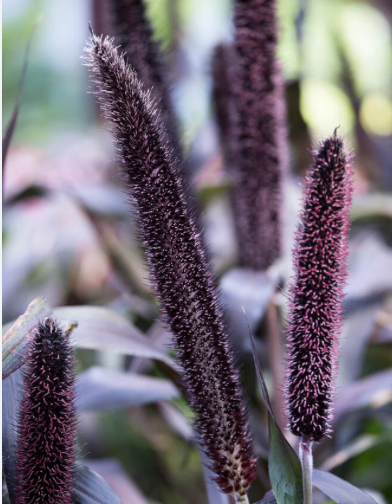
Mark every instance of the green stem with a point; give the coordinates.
(306, 457)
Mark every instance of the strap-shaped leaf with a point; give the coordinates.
(96, 328)
(91, 488)
(338, 490)
(117, 477)
(372, 391)
(252, 290)
(15, 339)
(101, 389)
(10, 403)
(9, 131)
(269, 498)
(214, 494)
(284, 466)
(5, 498)
(103, 329)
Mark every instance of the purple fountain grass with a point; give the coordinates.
(262, 135)
(47, 420)
(178, 264)
(133, 32)
(315, 310)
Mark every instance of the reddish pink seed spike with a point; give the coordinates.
(178, 264)
(315, 307)
(47, 423)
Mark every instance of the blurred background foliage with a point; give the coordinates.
(67, 231)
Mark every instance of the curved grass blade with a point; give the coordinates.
(16, 337)
(251, 289)
(10, 407)
(340, 491)
(268, 498)
(90, 488)
(284, 466)
(214, 494)
(359, 445)
(5, 497)
(103, 329)
(115, 475)
(102, 389)
(373, 391)
(10, 128)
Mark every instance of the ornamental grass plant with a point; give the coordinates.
(199, 315)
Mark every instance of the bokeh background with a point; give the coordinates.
(68, 233)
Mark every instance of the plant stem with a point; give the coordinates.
(306, 457)
(274, 334)
(242, 500)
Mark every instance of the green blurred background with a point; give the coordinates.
(323, 44)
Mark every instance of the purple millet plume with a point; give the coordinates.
(223, 96)
(315, 309)
(262, 136)
(223, 74)
(47, 431)
(133, 32)
(178, 265)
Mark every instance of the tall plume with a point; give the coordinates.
(262, 136)
(223, 96)
(315, 310)
(223, 71)
(178, 265)
(47, 431)
(133, 32)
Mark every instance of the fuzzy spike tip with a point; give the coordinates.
(262, 142)
(179, 267)
(315, 308)
(133, 32)
(47, 420)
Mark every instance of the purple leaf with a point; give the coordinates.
(268, 498)
(372, 391)
(91, 488)
(101, 389)
(10, 412)
(113, 473)
(16, 337)
(104, 330)
(338, 490)
(251, 290)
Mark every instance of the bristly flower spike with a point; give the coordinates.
(262, 134)
(315, 298)
(179, 267)
(223, 96)
(223, 72)
(134, 34)
(315, 312)
(47, 420)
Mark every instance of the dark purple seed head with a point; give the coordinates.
(178, 264)
(223, 68)
(261, 134)
(47, 422)
(133, 32)
(315, 309)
